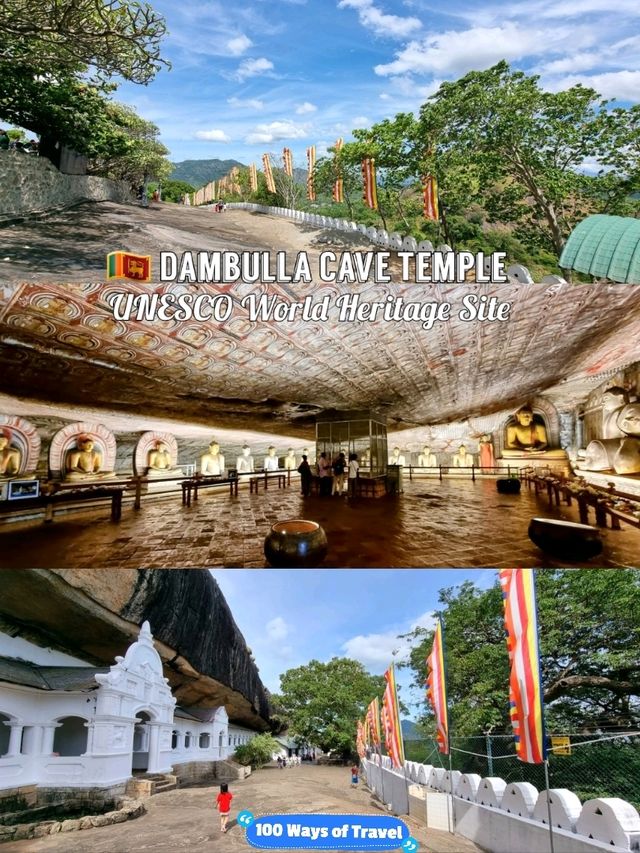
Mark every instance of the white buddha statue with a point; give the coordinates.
(271, 460)
(290, 461)
(161, 462)
(396, 457)
(244, 463)
(462, 459)
(212, 462)
(427, 459)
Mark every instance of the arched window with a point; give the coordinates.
(70, 737)
(5, 734)
(221, 740)
(187, 740)
(174, 739)
(205, 740)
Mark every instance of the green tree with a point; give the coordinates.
(324, 701)
(175, 191)
(528, 146)
(589, 626)
(114, 37)
(258, 752)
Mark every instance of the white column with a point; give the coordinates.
(154, 748)
(48, 733)
(15, 739)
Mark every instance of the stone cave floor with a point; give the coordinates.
(186, 819)
(449, 524)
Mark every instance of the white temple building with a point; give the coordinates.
(66, 724)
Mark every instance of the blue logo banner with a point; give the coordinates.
(329, 832)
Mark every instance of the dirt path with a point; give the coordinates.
(71, 245)
(185, 819)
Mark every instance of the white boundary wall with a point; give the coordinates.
(505, 818)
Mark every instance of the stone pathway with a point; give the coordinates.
(453, 524)
(186, 819)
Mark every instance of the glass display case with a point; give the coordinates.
(362, 432)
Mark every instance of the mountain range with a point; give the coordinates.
(200, 172)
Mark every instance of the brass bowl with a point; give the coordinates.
(295, 544)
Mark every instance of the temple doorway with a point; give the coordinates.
(141, 743)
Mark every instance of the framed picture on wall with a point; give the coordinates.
(23, 490)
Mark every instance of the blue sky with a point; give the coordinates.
(261, 74)
(291, 617)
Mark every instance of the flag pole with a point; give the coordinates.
(450, 811)
(545, 752)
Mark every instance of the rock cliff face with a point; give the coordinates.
(95, 615)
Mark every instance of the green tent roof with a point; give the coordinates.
(605, 247)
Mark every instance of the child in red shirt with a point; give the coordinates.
(224, 805)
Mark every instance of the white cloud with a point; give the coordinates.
(457, 52)
(277, 629)
(213, 135)
(622, 85)
(373, 18)
(275, 131)
(376, 651)
(305, 108)
(360, 121)
(253, 68)
(247, 103)
(239, 45)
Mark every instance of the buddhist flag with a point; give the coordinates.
(311, 165)
(126, 265)
(430, 197)
(437, 689)
(360, 741)
(338, 187)
(287, 160)
(391, 720)
(373, 723)
(369, 189)
(253, 178)
(268, 173)
(525, 683)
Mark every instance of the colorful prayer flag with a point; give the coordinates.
(391, 720)
(268, 173)
(525, 682)
(311, 165)
(338, 187)
(430, 196)
(369, 188)
(287, 160)
(126, 265)
(360, 741)
(437, 689)
(373, 723)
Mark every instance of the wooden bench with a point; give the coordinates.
(67, 495)
(192, 486)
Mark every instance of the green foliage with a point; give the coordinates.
(324, 701)
(589, 625)
(115, 37)
(201, 172)
(175, 191)
(258, 752)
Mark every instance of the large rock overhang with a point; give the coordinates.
(96, 615)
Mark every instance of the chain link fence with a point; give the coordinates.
(590, 765)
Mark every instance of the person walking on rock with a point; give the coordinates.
(224, 805)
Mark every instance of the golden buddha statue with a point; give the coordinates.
(10, 458)
(525, 435)
(160, 458)
(85, 462)
(212, 462)
(290, 461)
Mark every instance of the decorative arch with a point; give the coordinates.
(66, 440)
(544, 410)
(71, 736)
(147, 443)
(23, 435)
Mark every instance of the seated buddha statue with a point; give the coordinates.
(463, 459)
(396, 457)
(161, 462)
(271, 460)
(212, 462)
(244, 463)
(290, 461)
(10, 458)
(427, 459)
(525, 436)
(85, 462)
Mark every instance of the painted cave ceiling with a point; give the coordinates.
(59, 343)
